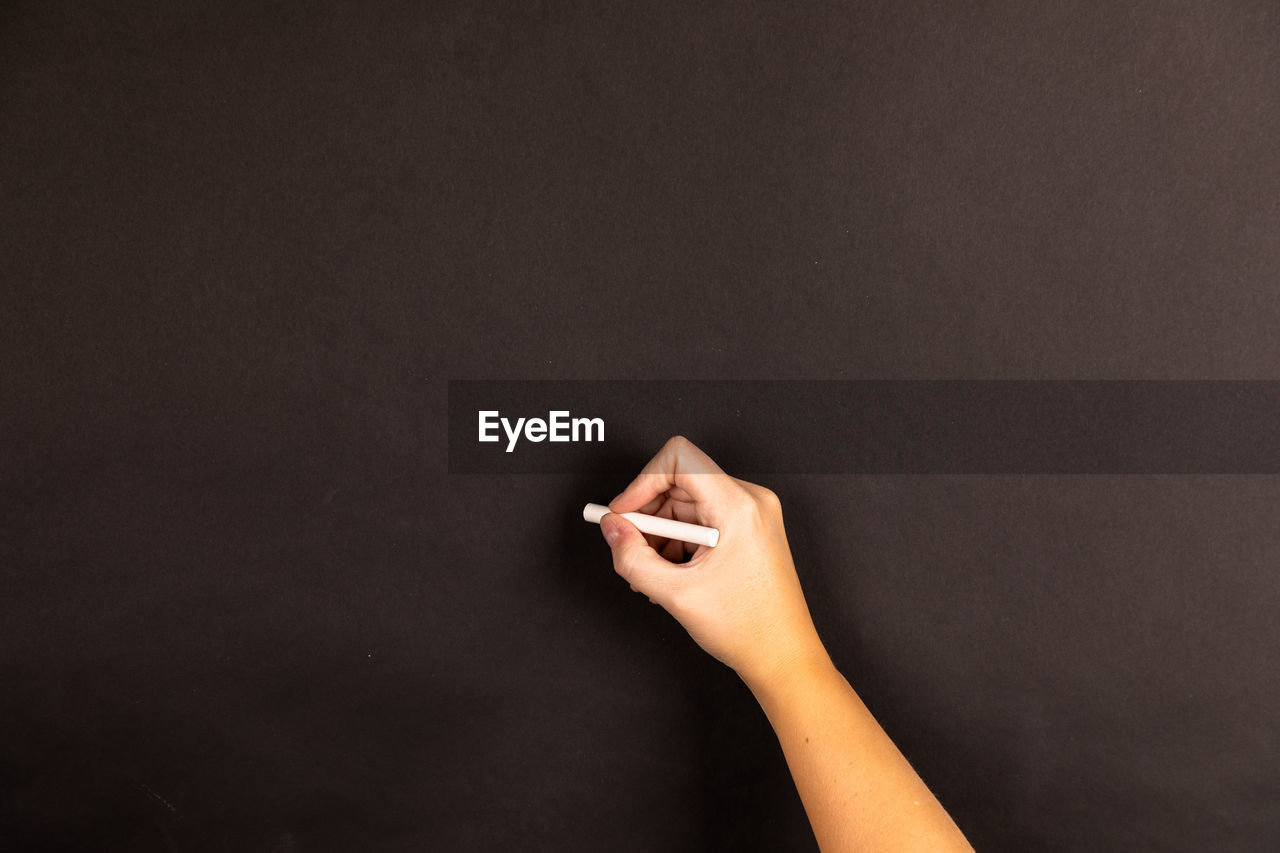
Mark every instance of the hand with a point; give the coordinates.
(740, 601)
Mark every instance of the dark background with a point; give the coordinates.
(245, 246)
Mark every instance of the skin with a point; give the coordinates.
(741, 602)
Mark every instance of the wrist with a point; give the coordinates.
(786, 671)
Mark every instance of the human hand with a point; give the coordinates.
(740, 601)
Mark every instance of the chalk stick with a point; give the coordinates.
(664, 527)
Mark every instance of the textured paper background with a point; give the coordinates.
(246, 245)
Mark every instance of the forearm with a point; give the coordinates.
(858, 790)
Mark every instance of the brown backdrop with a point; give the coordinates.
(245, 246)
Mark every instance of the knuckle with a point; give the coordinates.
(677, 443)
(766, 507)
(758, 499)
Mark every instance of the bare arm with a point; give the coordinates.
(858, 790)
(742, 602)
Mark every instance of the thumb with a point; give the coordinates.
(633, 558)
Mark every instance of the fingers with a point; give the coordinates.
(672, 551)
(636, 561)
(685, 475)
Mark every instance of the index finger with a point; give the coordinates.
(684, 471)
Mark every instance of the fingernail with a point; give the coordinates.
(609, 527)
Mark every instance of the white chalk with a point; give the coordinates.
(664, 527)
